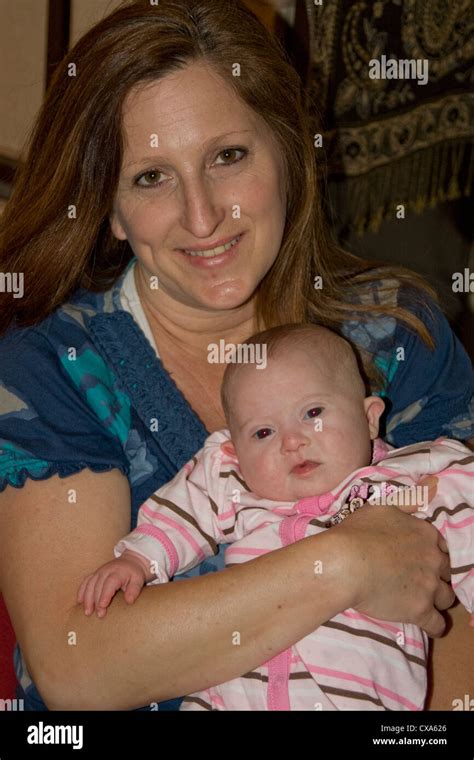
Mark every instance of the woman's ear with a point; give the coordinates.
(374, 407)
(116, 226)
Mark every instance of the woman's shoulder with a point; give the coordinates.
(374, 331)
(394, 308)
(60, 349)
(60, 406)
(67, 343)
(82, 307)
(384, 287)
(380, 287)
(428, 390)
(72, 318)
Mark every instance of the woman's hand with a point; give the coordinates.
(128, 572)
(399, 567)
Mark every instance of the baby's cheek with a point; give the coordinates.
(267, 479)
(350, 450)
(253, 471)
(361, 453)
(339, 443)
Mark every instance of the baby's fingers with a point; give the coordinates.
(132, 588)
(409, 508)
(82, 589)
(403, 504)
(88, 593)
(430, 485)
(105, 590)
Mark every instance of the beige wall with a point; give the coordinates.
(86, 13)
(23, 35)
(23, 51)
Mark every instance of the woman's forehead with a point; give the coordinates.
(169, 116)
(193, 90)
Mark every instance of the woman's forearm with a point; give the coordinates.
(452, 665)
(185, 636)
(181, 637)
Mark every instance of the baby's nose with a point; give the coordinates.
(293, 439)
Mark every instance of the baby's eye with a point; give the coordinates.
(265, 431)
(315, 411)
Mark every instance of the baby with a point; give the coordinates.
(300, 453)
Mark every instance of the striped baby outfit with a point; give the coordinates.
(352, 662)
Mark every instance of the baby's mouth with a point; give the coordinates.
(305, 467)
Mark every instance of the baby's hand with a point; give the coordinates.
(128, 572)
(409, 502)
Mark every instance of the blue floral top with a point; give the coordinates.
(85, 388)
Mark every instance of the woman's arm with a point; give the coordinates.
(452, 664)
(451, 661)
(179, 637)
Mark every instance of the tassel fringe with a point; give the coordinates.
(419, 181)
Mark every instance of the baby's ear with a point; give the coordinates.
(374, 407)
(228, 448)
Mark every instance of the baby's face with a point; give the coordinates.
(299, 428)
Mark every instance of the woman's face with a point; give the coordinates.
(199, 167)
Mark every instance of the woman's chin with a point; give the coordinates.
(228, 295)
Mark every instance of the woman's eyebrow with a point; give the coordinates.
(208, 143)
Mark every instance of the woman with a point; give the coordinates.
(179, 129)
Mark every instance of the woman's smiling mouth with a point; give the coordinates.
(213, 256)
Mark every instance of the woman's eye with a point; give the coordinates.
(315, 411)
(154, 173)
(265, 431)
(149, 178)
(228, 151)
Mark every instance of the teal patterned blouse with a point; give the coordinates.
(85, 389)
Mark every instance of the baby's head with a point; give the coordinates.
(307, 405)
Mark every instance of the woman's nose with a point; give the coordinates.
(202, 212)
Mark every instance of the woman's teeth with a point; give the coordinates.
(214, 251)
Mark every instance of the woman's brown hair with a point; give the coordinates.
(55, 228)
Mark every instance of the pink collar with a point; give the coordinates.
(319, 505)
